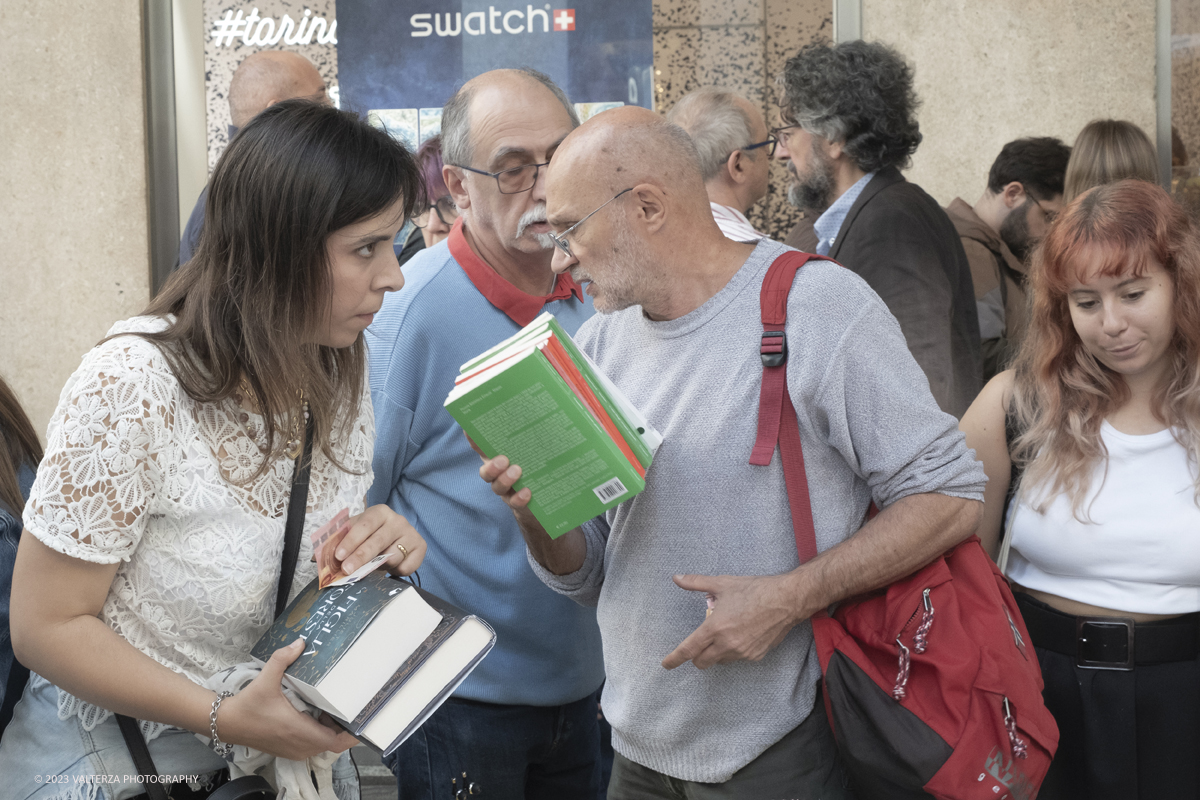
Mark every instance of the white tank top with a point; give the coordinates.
(1141, 550)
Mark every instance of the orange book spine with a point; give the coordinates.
(565, 366)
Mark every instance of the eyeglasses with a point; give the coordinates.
(513, 180)
(770, 143)
(783, 133)
(445, 209)
(1048, 213)
(560, 239)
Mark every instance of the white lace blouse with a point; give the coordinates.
(137, 473)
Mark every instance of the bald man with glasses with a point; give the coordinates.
(523, 725)
(725, 705)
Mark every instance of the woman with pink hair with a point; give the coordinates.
(1099, 423)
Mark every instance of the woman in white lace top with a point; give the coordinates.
(154, 531)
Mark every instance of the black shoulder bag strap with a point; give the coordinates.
(293, 529)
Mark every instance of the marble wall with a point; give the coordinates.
(740, 45)
(227, 45)
(1185, 103)
(74, 250)
(988, 73)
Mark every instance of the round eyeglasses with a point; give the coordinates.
(784, 133)
(445, 209)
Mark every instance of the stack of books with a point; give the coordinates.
(539, 400)
(380, 655)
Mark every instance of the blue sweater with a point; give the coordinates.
(548, 647)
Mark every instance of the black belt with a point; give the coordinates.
(1110, 642)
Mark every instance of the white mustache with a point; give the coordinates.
(530, 217)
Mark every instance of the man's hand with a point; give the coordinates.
(561, 556)
(502, 475)
(751, 615)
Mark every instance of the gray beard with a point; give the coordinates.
(816, 192)
(808, 197)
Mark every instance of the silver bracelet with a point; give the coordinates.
(222, 749)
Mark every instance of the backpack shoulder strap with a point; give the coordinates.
(777, 420)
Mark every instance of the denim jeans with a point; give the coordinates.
(43, 757)
(509, 752)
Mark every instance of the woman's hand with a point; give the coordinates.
(378, 530)
(260, 716)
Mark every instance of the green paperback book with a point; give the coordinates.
(520, 405)
(641, 436)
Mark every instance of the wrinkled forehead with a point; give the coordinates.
(517, 120)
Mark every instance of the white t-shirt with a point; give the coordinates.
(1140, 552)
(137, 473)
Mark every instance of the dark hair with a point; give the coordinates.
(429, 162)
(858, 93)
(258, 289)
(1037, 163)
(18, 445)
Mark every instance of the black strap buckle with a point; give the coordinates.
(773, 349)
(1104, 643)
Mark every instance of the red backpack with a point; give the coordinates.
(930, 685)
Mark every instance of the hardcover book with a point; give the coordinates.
(380, 655)
(536, 398)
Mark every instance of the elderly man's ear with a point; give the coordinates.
(736, 165)
(453, 178)
(650, 207)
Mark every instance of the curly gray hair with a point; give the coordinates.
(858, 93)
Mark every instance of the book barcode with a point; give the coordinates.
(610, 490)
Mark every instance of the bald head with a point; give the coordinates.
(268, 77)
(626, 147)
(496, 88)
(656, 245)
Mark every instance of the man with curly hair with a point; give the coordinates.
(849, 126)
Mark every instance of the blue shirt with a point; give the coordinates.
(547, 646)
(829, 223)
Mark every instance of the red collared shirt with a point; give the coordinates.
(520, 307)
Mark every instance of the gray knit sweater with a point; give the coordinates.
(870, 430)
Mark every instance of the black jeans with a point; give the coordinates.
(509, 752)
(803, 765)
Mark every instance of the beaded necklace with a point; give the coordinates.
(295, 442)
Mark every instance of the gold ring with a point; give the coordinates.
(403, 551)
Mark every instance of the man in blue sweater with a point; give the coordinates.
(524, 724)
